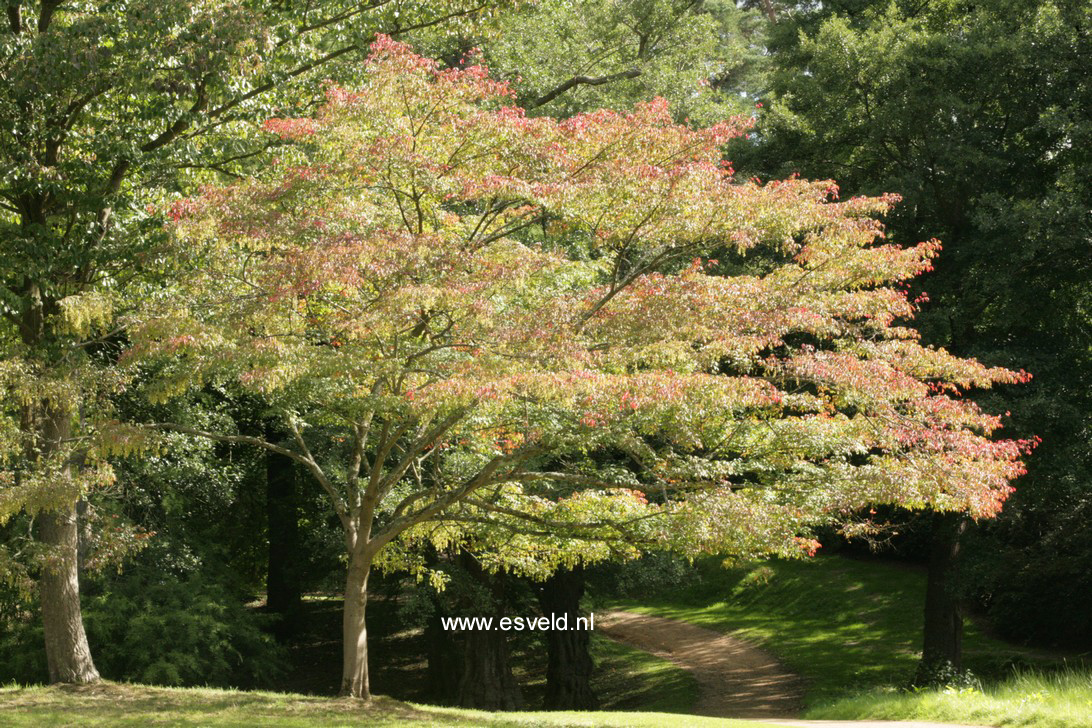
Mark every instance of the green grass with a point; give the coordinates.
(114, 704)
(852, 629)
(630, 679)
(841, 623)
(1031, 698)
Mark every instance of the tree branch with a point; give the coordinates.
(581, 81)
(303, 458)
(309, 460)
(484, 477)
(46, 15)
(417, 447)
(182, 124)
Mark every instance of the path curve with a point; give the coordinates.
(735, 679)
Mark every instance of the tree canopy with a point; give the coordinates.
(451, 305)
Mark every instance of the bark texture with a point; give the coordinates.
(67, 653)
(943, 637)
(444, 665)
(569, 662)
(487, 682)
(354, 675)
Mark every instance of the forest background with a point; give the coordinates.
(976, 114)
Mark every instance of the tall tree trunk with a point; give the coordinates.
(283, 592)
(67, 652)
(487, 682)
(444, 665)
(444, 658)
(354, 674)
(569, 663)
(943, 638)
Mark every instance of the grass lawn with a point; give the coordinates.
(115, 704)
(1035, 700)
(852, 628)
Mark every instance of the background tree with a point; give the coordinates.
(408, 291)
(566, 58)
(102, 108)
(978, 115)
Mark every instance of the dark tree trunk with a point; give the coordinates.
(67, 652)
(487, 682)
(444, 665)
(283, 591)
(569, 663)
(943, 639)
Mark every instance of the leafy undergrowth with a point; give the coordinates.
(1029, 698)
(115, 704)
(846, 625)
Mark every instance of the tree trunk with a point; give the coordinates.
(283, 592)
(354, 674)
(487, 682)
(443, 660)
(67, 652)
(943, 639)
(569, 663)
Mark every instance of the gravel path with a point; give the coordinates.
(735, 679)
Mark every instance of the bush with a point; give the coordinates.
(160, 629)
(157, 628)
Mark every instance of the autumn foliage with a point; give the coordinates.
(464, 314)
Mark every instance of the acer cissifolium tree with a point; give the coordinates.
(451, 305)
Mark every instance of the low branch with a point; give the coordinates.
(553, 526)
(582, 81)
(308, 460)
(486, 476)
(220, 437)
(304, 459)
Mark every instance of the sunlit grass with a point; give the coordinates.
(1029, 698)
(844, 624)
(630, 679)
(852, 628)
(114, 704)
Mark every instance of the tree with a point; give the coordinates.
(450, 305)
(977, 115)
(102, 106)
(569, 664)
(566, 58)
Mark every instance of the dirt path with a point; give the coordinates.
(735, 679)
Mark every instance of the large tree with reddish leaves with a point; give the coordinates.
(453, 308)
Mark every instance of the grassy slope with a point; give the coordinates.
(840, 623)
(854, 628)
(113, 704)
(1034, 700)
(629, 679)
